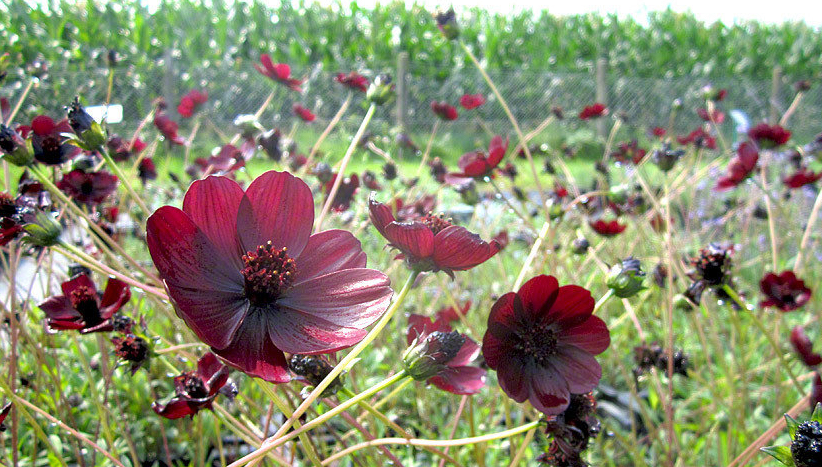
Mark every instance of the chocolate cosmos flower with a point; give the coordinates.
(784, 291)
(247, 276)
(444, 111)
(593, 111)
(769, 136)
(431, 243)
(353, 81)
(279, 72)
(195, 391)
(804, 347)
(477, 164)
(304, 114)
(607, 228)
(801, 177)
(89, 188)
(81, 306)
(50, 147)
(472, 101)
(542, 341)
(739, 168)
(191, 102)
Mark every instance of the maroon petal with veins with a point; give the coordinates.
(116, 295)
(496, 150)
(463, 380)
(514, 379)
(412, 238)
(212, 204)
(352, 298)
(592, 336)
(574, 305)
(457, 249)
(297, 332)
(536, 294)
(466, 354)
(548, 391)
(502, 321)
(329, 251)
(380, 214)
(213, 315)
(277, 207)
(79, 281)
(252, 351)
(176, 408)
(59, 308)
(579, 368)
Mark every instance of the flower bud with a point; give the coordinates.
(389, 171)
(619, 193)
(90, 132)
(427, 357)
(314, 369)
(626, 279)
(468, 193)
(381, 90)
(666, 158)
(15, 150)
(580, 245)
(694, 292)
(447, 23)
(44, 231)
(323, 172)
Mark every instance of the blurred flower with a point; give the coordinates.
(580, 245)
(715, 116)
(769, 136)
(381, 90)
(784, 291)
(132, 349)
(168, 128)
(353, 81)
(802, 86)
(804, 347)
(122, 150)
(699, 138)
(48, 143)
(571, 432)
(303, 113)
(431, 243)
(270, 142)
(471, 101)
(607, 228)
(147, 170)
(477, 164)
(739, 168)
(369, 179)
(654, 356)
(279, 72)
(666, 158)
(447, 23)
(82, 307)
(542, 341)
(345, 192)
(713, 94)
(191, 102)
(659, 132)
(89, 188)
(14, 148)
(195, 391)
(389, 171)
(713, 265)
(438, 170)
(801, 177)
(442, 356)
(628, 152)
(267, 286)
(595, 110)
(450, 314)
(405, 141)
(444, 111)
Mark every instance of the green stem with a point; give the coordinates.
(603, 299)
(305, 443)
(124, 180)
(376, 413)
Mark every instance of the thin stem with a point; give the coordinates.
(124, 180)
(347, 157)
(428, 146)
(531, 255)
(438, 443)
(817, 205)
(20, 101)
(603, 299)
(333, 123)
(794, 105)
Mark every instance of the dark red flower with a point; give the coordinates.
(458, 377)
(416, 210)
(303, 113)
(801, 177)
(168, 128)
(713, 265)
(769, 136)
(444, 111)
(477, 164)
(542, 341)
(279, 72)
(122, 150)
(431, 243)
(699, 138)
(502, 238)
(89, 188)
(353, 81)
(226, 160)
(816, 392)
(804, 347)
(659, 132)
(438, 171)
(471, 101)
(196, 390)
(191, 101)
(132, 349)
(593, 111)
(450, 314)
(247, 276)
(82, 307)
(49, 145)
(629, 152)
(9, 230)
(369, 179)
(717, 116)
(739, 168)
(345, 192)
(607, 228)
(147, 170)
(3, 414)
(784, 291)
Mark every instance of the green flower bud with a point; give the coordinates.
(15, 150)
(468, 193)
(381, 90)
(665, 158)
(428, 356)
(626, 279)
(91, 134)
(619, 193)
(45, 231)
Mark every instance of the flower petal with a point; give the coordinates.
(352, 298)
(412, 238)
(277, 207)
(548, 391)
(466, 354)
(116, 295)
(253, 353)
(591, 336)
(212, 204)
(502, 320)
(176, 408)
(380, 214)
(537, 296)
(293, 331)
(514, 379)
(573, 306)
(457, 249)
(329, 251)
(185, 256)
(213, 315)
(82, 280)
(464, 380)
(59, 308)
(579, 368)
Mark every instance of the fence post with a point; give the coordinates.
(402, 95)
(168, 76)
(776, 104)
(602, 92)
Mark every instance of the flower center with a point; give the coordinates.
(87, 188)
(50, 145)
(7, 206)
(268, 273)
(84, 300)
(436, 223)
(193, 386)
(539, 343)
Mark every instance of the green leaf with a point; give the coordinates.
(780, 453)
(817, 413)
(792, 425)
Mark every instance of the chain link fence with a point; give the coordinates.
(531, 95)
